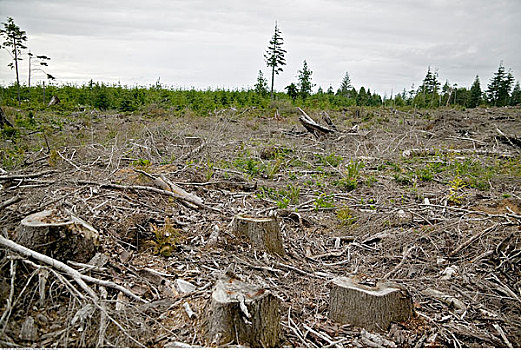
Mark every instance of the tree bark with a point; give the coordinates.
(263, 232)
(373, 308)
(60, 236)
(243, 313)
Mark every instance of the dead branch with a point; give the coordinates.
(9, 202)
(26, 176)
(406, 254)
(78, 277)
(472, 239)
(150, 189)
(312, 126)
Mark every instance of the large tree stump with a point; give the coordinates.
(60, 236)
(244, 313)
(263, 232)
(373, 308)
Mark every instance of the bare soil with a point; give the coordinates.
(427, 199)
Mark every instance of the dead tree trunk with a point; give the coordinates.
(54, 101)
(373, 308)
(263, 232)
(60, 236)
(312, 126)
(3, 119)
(243, 313)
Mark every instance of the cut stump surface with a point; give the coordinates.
(373, 308)
(244, 313)
(263, 232)
(60, 236)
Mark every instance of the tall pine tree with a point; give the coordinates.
(345, 86)
(498, 91)
(14, 41)
(475, 93)
(275, 55)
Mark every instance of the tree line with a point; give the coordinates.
(501, 90)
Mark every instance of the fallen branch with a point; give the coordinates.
(78, 277)
(504, 216)
(9, 202)
(147, 188)
(26, 176)
(406, 254)
(472, 239)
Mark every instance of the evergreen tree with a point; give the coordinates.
(362, 99)
(498, 92)
(14, 43)
(475, 94)
(330, 90)
(345, 86)
(275, 55)
(292, 91)
(304, 81)
(430, 86)
(515, 98)
(261, 87)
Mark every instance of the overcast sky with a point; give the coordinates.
(384, 45)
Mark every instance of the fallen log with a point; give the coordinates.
(312, 126)
(373, 308)
(263, 232)
(243, 313)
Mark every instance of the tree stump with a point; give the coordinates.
(263, 232)
(244, 313)
(373, 308)
(60, 236)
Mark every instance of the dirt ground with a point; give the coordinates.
(430, 200)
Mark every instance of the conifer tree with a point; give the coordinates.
(275, 55)
(304, 81)
(261, 87)
(475, 93)
(362, 99)
(345, 86)
(515, 98)
(498, 92)
(14, 44)
(292, 91)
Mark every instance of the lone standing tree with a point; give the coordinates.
(14, 39)
(304, 81)
(275, 55)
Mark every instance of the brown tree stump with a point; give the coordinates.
(263, 232)
(60, 236)
(243, 313)
(373, 308)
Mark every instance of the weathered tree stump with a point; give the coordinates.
(263, 232)
(244, 313)
(60, 236)
(373, 308)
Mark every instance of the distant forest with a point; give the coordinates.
(500, 91)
